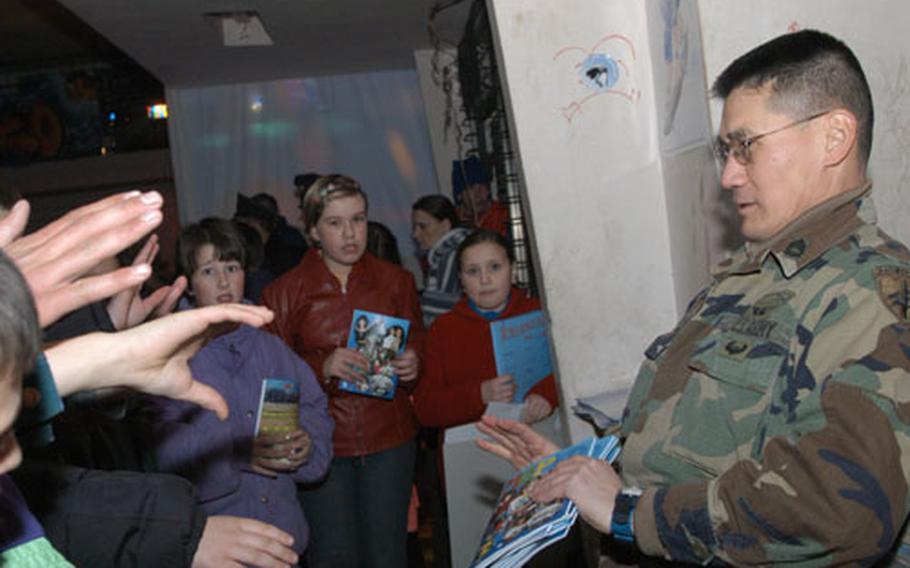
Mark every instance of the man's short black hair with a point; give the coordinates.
(808, 71)
(19, 331)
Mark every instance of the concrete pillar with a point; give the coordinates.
(620, 193)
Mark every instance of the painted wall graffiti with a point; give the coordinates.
(603, 69)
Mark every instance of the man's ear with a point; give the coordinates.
(840, 135)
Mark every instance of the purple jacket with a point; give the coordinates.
(215, 455)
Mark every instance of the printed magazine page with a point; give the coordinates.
(520, 527)
(380, 338)
(279, 406)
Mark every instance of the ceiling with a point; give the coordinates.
(174, 41)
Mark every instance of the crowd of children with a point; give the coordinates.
(332, 488)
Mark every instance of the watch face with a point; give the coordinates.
(621, 523)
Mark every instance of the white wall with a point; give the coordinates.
(591, 163)
(877, 33)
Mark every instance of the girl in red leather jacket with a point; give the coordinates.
(359, 512)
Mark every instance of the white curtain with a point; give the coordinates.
(255, 137)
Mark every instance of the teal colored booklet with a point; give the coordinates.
(521, 347)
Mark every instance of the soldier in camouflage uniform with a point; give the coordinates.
(772, 425)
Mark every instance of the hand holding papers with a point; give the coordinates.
(520, 527)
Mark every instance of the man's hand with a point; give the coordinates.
(151, 357)
(235, 542)
(346, 364)
(514, 442)
(589, 483)
(128, 308)
(274, 453)
(55, 260)
(536, 409)
(498, 389)
(406, 365)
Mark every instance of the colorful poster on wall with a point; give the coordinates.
(48, 116)
(679, 74)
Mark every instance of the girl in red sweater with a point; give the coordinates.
(459, 377)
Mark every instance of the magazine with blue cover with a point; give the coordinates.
(519, 526)
(380, 338)
(521, 348)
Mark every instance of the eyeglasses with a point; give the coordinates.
(741, 150)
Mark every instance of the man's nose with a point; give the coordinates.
(733, 174)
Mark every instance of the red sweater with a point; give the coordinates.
(459, 357)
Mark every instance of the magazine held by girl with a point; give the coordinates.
(379, 338)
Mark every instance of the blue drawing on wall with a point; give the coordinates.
(599, 72)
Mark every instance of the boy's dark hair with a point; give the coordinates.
(382, 242)
(439, 207)
(19, 331)
(808, 72)
(222, 234)
(484, 236)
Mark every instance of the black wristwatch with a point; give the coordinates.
(622, 524)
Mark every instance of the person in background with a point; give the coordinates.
(769, 426)
(359, 513)
(476, 206)
(257, 277)
(382, 242)
(283, 245)
(437, 232)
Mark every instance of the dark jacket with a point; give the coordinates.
(113, 518)
(104, 518)
(313, 316)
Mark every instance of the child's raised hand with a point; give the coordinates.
(406, 365)
(536, 409)
(498, 389)
(274, 453)
(346, 364)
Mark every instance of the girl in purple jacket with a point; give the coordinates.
(234, 471)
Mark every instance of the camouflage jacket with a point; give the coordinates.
(772, 425)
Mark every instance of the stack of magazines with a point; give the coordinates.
(521, 527)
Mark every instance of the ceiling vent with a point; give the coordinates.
(240, 29)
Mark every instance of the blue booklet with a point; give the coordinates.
(521, 348)
(380, 338)
(520, 527)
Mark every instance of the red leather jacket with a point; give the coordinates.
(313, 316)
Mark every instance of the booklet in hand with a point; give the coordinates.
(380, 338)
(520, 527)
(279, 406)
(521, 348)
